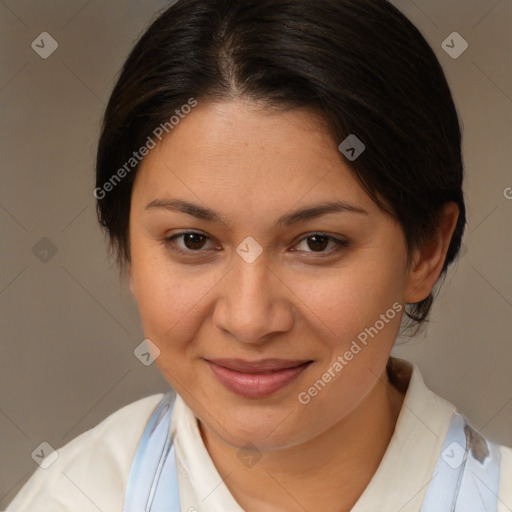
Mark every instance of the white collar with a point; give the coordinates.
(399, 484)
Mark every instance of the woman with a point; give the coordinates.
(281, 183)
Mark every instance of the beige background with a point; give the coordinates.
(68, 328)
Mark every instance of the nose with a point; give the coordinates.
(254, 303)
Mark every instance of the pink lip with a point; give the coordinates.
(256, 379)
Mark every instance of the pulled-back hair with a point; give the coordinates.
(360, 64)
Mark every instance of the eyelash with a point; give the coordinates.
(169, 242)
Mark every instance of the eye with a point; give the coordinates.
(191, 240)
(318, 242)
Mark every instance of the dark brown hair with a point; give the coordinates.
(359, 63)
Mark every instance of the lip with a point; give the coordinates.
(256, 379)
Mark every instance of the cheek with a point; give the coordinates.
(355, 314)
(341, 303)
(169, 297)
(175, 300)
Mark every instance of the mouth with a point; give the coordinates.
(256, 379)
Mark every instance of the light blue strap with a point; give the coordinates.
(467, 473)
(466, 476)
(153, 481)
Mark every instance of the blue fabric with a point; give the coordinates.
(153, 481)
(467, 474)
(466, 477)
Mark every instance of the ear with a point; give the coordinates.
(427, 262)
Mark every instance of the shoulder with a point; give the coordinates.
(92, 470)
(505, 487)
(423, 407)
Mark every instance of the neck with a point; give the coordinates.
(322, 474)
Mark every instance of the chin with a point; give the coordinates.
(266, 432)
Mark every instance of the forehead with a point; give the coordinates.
(249, 155)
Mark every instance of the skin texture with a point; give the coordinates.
(295, 301)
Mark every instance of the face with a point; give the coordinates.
(241, 275)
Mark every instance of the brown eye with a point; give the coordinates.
(318, 243)
(191, 242)
(194, 241)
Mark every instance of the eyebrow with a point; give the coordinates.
(310, 212)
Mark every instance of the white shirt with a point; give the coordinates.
(91, 472)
